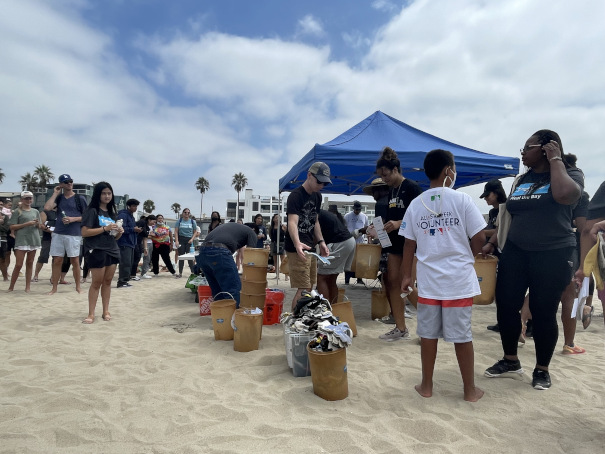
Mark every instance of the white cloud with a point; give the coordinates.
(311, 26)
(384, 5)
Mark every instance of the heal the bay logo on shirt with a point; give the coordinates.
(433, 224)
(104, 220)
(526, 191)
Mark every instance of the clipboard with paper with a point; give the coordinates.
(383, 236)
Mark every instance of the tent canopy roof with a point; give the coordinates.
(352, 157)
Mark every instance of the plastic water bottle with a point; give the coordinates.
(192, 249)
(119, 222)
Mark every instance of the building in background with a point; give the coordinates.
(251, 204)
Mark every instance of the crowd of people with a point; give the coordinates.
(541, 233)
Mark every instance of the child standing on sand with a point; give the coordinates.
(437, 226)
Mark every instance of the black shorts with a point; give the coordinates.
(10, 243)
(101, 259)
(2, 249)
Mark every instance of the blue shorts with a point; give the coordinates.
(449, 319)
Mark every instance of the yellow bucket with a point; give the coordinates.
(367, 261)
(329, 373)
(248, 330)
(344, 312)
(380, 305)
(256, 256)
(222, 311)
(486, 274)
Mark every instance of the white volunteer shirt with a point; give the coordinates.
(445, 260)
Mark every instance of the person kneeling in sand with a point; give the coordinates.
(437, 226)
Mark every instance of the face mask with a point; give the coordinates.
(452, 180)
(214, 219)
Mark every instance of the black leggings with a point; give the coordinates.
(164, 251)
(546, 274)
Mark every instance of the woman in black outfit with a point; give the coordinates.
(538, 254)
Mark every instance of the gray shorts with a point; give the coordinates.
(343, 258)
(449, 319)
(60, 245)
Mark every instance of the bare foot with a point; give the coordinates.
(78, 289)
(53, 291)
(64, 282)
(474, 395)
(424, 392)
(27, 290)
(89, 320)
(9, 290)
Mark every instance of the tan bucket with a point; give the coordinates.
(486, 274)
(380, 305)
(368, 260)
(222, 311)
(329, 373)
(253, 287)
(254, 273)
(248, 330)
(256, 256)
(253, 299)
(344, 312)
(341, 295)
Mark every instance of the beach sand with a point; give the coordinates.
(154, 380)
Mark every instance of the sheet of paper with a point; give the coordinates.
(383, 236)
(324, 260)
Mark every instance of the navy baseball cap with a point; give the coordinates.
(65, 177)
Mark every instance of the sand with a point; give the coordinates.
(154, 380)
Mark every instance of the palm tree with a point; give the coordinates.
(202, 185)
(176, 208)
(44, 175)
(239, 182)
(28, 182)
(1, 176)
(148, 206)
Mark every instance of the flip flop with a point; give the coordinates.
(64, 282)
(575, 350)
(107, 317)
(88, 321)
(587, 318)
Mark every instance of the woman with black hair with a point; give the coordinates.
(100, 233)
(538, 253)
(215, 221)
(401, 193)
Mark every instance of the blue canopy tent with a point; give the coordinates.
(352, 157)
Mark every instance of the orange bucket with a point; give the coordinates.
(204, 295)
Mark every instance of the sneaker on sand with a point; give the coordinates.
(126, 285)
(145, 276)
(395, 334)
(573, 349)
(541, 379)
(408, 313)
(135, 278)
(388, 320)
(504, 366)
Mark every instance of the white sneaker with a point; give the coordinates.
(408, 313)
(395, 334)
(145, 276)
(135, 278)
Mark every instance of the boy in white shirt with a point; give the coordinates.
(437, 226)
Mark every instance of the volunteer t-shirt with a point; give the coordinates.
(445, 260)
(93, 219)
(305, 205)
(30, 235)
(538, 223)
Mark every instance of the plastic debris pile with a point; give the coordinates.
(314, 313)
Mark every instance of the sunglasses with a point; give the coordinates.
(27, 198)
(68, 181)
(317, 179)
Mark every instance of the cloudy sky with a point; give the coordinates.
(152, 94)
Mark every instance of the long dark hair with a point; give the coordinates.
(96, 199)
(212, 227)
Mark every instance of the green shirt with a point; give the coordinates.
(30, 235)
